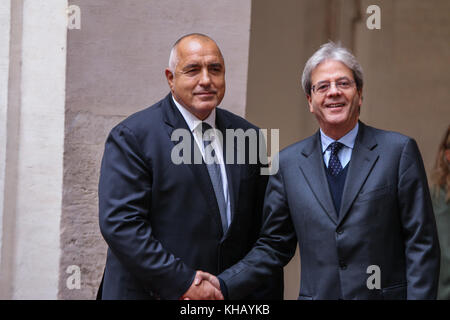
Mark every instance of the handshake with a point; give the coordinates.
(204, 287)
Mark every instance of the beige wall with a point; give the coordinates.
(407, 70)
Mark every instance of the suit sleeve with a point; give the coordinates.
(274, 248)
(419, 226)
(124, 209)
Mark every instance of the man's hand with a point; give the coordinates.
(204, 287)
(201, 275)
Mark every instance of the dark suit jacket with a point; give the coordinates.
(161, 221)
(385, 219)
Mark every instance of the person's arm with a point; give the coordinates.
(274, 248)
(419, 227)
(124, 209)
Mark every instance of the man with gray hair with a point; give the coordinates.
(354, 197)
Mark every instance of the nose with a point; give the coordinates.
(205, 79)
(334, 90)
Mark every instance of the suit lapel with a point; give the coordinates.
(174, 120)
(311, 164)
(364, 156)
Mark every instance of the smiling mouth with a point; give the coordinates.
(335, 105)
(206, 93)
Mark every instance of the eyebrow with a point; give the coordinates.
(215, 65)
(341, 78)
(196, 65)
(192, 65)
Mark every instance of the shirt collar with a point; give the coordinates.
(191, 120)
(348, 140)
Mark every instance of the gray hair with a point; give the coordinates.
(173, 57)
(332, 51)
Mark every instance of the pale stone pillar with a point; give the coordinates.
(34, 141)
(5, 23)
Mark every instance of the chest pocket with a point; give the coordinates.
(375, 194)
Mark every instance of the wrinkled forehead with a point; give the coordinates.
(197, 47)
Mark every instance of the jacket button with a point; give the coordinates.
(339, 231)
(342, 265)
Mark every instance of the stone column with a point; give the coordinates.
(31, 176)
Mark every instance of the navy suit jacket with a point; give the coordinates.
(385, 220)
(161, 220)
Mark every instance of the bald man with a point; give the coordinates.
(165, 221)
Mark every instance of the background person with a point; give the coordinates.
(441, 204)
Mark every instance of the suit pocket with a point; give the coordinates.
(374, 194)
(303, 297)
(395, 292)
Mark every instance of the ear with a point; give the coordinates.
(169, 77)
(360, 97)
(308, 97)
(447, 155)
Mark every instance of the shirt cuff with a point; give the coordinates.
(223, 288)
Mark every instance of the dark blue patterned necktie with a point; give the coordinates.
(216, 177)
(334, 165)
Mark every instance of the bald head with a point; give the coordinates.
(192, 39)
(196, 74)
